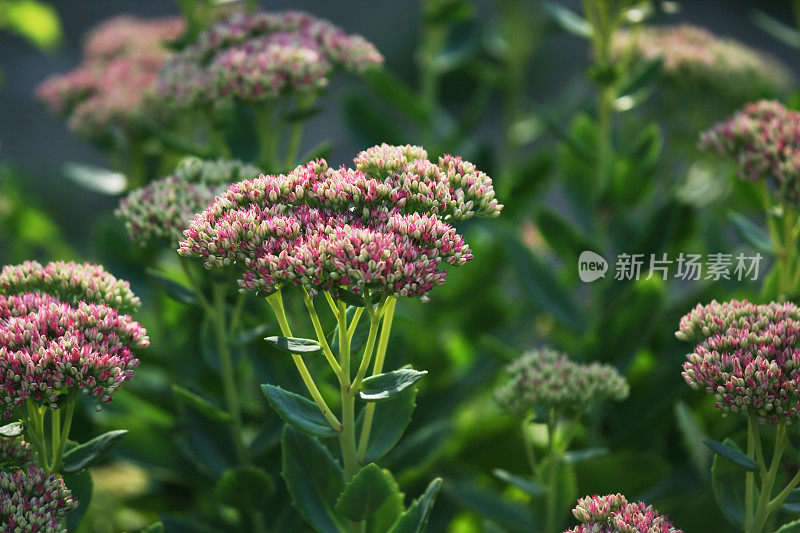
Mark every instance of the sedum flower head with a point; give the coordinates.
(746, 355)
(366, 230)
(614, 514)
(33, 500)
(254, 57)
(49, 348)
(161, 210)
(548, 378)
(696, 61)
(69, 282)
(14, 453)
(763, 139)
(115, 84)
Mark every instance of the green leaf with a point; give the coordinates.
(389, 384)
(96, 179)
(245, 487)
(389, 423)
(396, 92)
(36, 21)
(12, 430)
(792, 502)
(578, 456)
(791, 527)
(314, 480)
(295, 345)
(177, 291)
(777, 29)
(544, 289)
(201, 404)
(158, 527)
(246, 336)
(82, 487)
(568, 20)
(732, 454)
(349, 298)
(751, 233)
(491, 505)
(728, 482)
(297, 411)
(561, 235)
(85, 455)
(365, 493)
(416, 517)
(387, 514)
(524, 484)
(644, 76)
(693, 435)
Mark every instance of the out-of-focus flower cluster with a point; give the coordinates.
(546, 378)
(116, 82)
(258, 56)
(33, 500)
(698, 62)
(14, 453)
(614, 514)
(746, 355)
(382, 226)
(764, 141)
(61, 331)
(162, 210)
(70, 282)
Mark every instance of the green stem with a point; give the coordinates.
(752, 436)
(63, 437)
(268, 133)
(767, 482)
(275, 300)
(380, 356)
(215, 135)
(552, 480)
(296, 132)
(528, 444)
(374, 323)
(230, 388)
(326, 349)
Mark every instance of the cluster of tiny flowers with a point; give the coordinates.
(69, 282)
(258, 56)
(14, 453)
(370, 228)
(613, 514)
(33, 500)
(116, 82)
(547, 378)
(747, 356)
(764, 141)
(696, 59)
(162, 210)
(49, 348)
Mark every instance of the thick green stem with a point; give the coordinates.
(380, 356)
(63, 435)
(752, 435)
(552, 471)
(528, 443)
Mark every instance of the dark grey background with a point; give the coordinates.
(39, 144)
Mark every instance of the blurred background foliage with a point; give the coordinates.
(581, 161)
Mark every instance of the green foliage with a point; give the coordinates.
(297, 411)
(365, 493)
(382, 387)
(85, 455)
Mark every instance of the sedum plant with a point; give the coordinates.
(276, 65)
(613, 513)
(355, 240)
(545, 386)
(65, 331)
(746, 356)
(763, 142)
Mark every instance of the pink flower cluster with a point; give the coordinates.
(257, 56)
(763, 139)
(49, 348)
(697, 61)
(33, 500)
(747, 356)
(613, 514)
(161, 210)
(69, 282)
(116, 82)
(378, 228)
